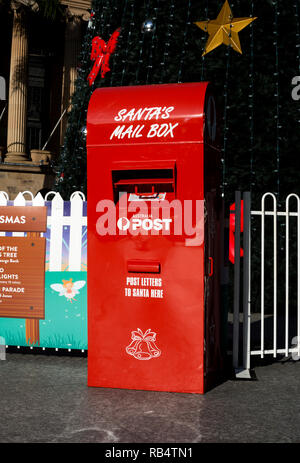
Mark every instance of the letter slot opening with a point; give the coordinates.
(145, 184)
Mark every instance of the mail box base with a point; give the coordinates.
(182, 385)
(148, 388)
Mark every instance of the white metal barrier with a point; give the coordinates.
(64, 217)
(254, 311)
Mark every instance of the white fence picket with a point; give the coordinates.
(75, 232)
(38, 200)
(56, 231)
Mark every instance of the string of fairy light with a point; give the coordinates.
(108, 23)
(118, 50)
(112, 11)
(129, 42)
(297, 12)
(225, 119)
(103, 16)
(116, 54)
(152, 45)
(225, 122)
(277, 96)
(169, 31)
(128, 13)
(141, 44)
(203, 41)
(184, 41)
(251, 102)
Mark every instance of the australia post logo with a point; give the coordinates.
(177, 218)
(144, 223)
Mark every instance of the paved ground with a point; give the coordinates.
(45, 399)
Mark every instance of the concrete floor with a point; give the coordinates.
(45, 399)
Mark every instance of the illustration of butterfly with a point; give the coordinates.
(68, 288)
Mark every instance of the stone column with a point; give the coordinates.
(71, 54)
(17, 100)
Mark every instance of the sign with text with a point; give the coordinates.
(22, 277)
(23, 218)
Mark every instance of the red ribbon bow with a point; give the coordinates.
(100, 53)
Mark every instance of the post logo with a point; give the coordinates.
(145, 224)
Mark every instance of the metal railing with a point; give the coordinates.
(273, 288)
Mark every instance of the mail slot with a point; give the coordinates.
(144, 183)
(154, 227)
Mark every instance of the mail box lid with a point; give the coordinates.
(149, 114)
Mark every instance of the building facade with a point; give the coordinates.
(38, 61)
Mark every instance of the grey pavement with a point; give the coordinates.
(45, 398)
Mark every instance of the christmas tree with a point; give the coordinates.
(159, 42)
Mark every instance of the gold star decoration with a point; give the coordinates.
(224, 29)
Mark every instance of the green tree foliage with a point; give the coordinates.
(173, 53)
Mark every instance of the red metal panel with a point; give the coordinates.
(146, 329)
(147, 114)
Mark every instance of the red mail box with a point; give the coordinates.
(154, 210)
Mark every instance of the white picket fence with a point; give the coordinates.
(57, 221)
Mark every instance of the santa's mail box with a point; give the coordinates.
(154, 212)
